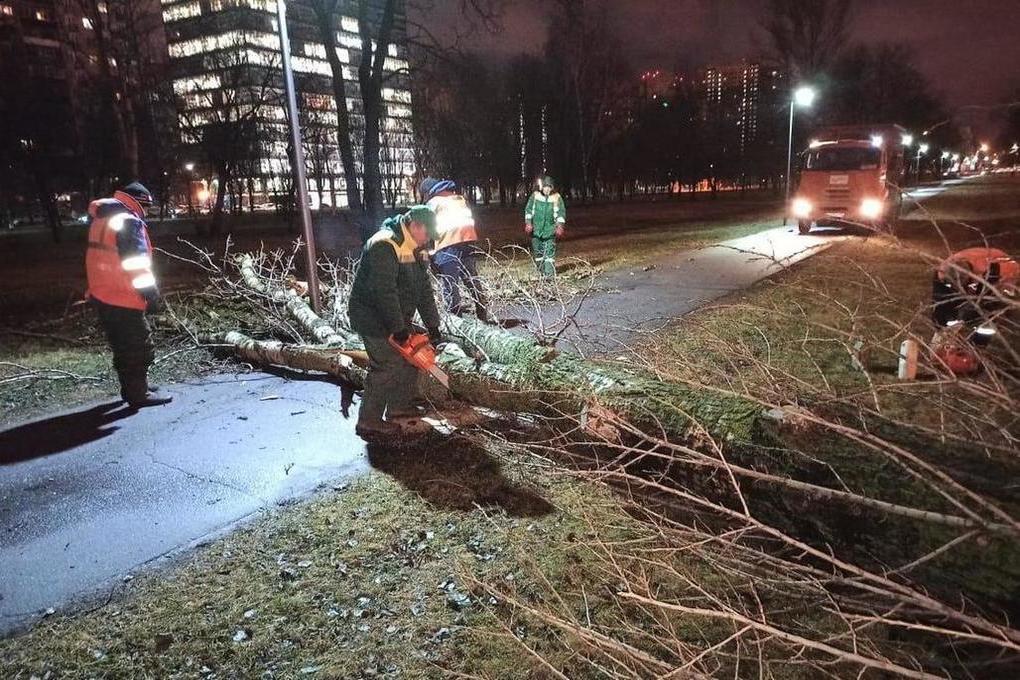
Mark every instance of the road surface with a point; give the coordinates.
(89, 497)
(641, 299)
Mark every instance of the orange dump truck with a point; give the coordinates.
(851, 173)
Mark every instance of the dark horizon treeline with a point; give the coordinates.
(606, 137)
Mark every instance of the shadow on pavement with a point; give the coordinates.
(60, 433)
(455, 474)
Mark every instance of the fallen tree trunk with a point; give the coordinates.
(344, 365)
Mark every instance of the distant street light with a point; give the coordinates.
(908, 140)
(190, 167)
(984, 148)
(803, 96)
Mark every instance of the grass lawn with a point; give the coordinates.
(382, 578)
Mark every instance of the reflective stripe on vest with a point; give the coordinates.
(405, 251)
(454, 221)
(110, 279)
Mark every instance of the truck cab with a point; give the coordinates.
(850, 174)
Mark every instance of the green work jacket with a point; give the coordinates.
(391, 284)
(545, 213)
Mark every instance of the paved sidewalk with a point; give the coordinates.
(88, 496)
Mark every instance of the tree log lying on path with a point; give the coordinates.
(513, 372)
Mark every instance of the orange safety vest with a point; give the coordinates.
(978, 261)
(113, 280)
(454, 221)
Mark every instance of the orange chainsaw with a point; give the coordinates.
(420, 353)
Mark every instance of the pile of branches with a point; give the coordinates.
(741, 570)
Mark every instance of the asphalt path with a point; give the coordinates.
(91, 496)
(640, 300)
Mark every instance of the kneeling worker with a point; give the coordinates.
(391, 284)
(122, 287)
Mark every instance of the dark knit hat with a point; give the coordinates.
(137, 191)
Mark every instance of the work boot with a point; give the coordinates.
(409, 426)
(148, 400)
(150, 391)
(376, 430)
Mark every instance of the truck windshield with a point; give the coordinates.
(843, 158)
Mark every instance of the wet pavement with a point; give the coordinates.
(643, 299)
(89, 496)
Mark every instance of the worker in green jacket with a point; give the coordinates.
(391, 285)
(545, 218)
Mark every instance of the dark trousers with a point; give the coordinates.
(129, 336)
(460, 263)
(391, 385)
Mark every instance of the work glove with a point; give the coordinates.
(402, 336)
(559, 231)
(528, 229)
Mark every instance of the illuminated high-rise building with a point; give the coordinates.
(225, 63)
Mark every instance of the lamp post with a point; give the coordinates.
(190, 169)
(802, 96)
(921, 150)
(299, 157)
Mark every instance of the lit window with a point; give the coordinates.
(42, 15)
(7, 10)
(102, 8)
(87, 23)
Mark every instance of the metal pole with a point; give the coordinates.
(789, 166)
(299, 157)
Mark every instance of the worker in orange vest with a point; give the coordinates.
(456, 251)
(122, 287)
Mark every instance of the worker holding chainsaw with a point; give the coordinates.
(391, 285)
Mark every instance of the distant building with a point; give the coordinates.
(61, 63)
(742, 97)
(225, 54)
(40, 44)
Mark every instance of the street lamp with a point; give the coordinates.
(921, 150)
(190, 167)
(803, 96)
(299, 157)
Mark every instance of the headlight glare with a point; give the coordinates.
(871, 208)
(801, 208)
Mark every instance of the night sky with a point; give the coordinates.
(970, 49)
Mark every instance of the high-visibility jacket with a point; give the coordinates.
(980, 262)
(545, 213)
(118, 261)
(454, 221)
(392, 284)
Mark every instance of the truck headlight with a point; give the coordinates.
(871, 208)
(801, 208)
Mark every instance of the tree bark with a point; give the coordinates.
(325, 16)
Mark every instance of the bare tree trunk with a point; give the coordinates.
(326, 12)
(370, 76)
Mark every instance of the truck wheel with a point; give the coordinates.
(804, 226)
